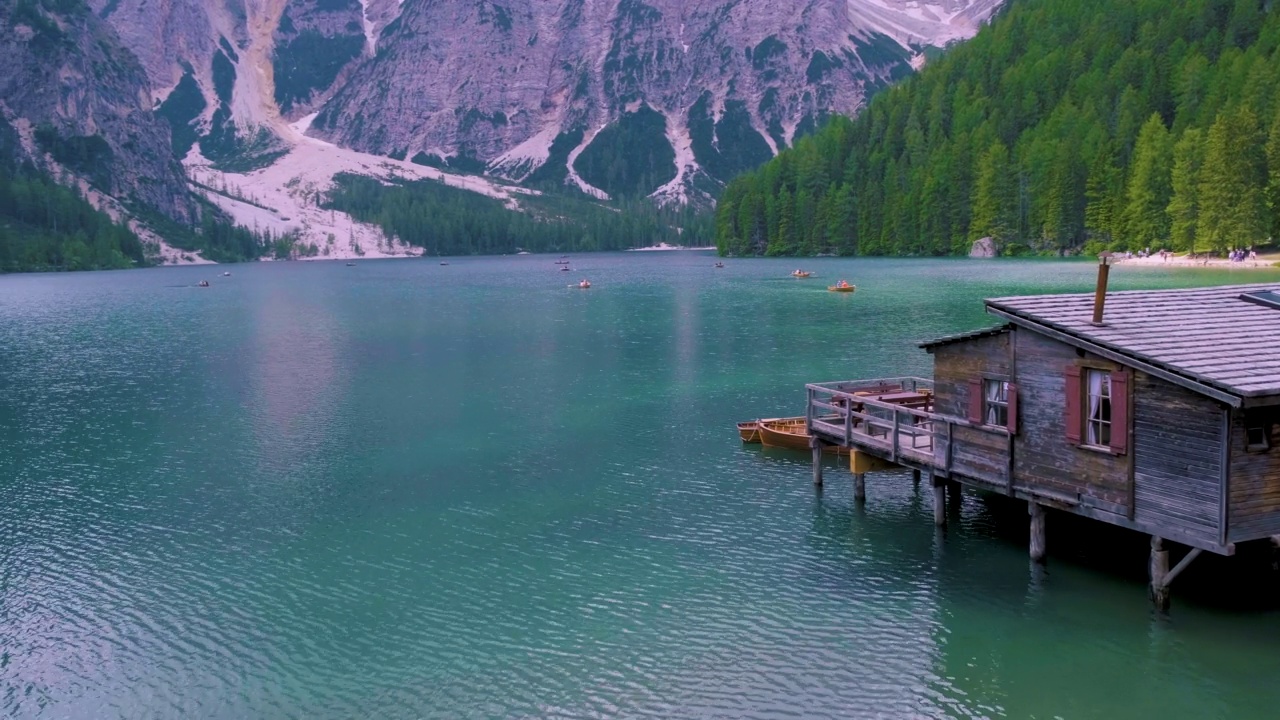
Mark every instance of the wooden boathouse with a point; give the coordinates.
(1151, 410)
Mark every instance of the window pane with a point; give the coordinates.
(1098, 407)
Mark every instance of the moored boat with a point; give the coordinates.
(749, 431)
(789, 434)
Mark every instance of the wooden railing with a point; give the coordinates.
(904, 428)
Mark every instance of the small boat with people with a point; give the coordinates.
(584, 284)
(203, 283)
(801, 274)
(562, 262)
(226, 274)
(565, 268)
(843, 287)
(351, 264)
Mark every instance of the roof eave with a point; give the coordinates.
(963, 337)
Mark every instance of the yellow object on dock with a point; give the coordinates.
(860, 462)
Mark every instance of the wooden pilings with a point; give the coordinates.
(816, 444)
(1159, 574)
(915, 478)
(860, 487)
(939, 500)
(1038, 545)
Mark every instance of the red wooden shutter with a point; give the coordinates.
(1074, 422)
(975, 401)
(1013, 409)
(1120, 412)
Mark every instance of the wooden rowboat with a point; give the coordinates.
(789, 434)
(749, 431)
(801, 274)
(842, 288)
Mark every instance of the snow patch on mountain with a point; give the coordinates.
(521, 160)
(913, 23)
(285, 197)
(577, 180)
(677, 190)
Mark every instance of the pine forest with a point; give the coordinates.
(1064, 127)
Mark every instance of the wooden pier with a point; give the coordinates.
(1159, 417)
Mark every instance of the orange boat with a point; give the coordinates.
(789, 434)
(749, 431)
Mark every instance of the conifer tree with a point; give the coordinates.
(1099, 212)
(1184, 206)
(993, 196)
(1273, 176)
(1233, 212)
(1146, 219)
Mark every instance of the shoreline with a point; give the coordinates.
(663, 247)
(1268, 262)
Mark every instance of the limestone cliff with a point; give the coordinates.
(83, 103)
(519, 85)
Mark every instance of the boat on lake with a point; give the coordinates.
(842, 286)
(749, 431)
(719, 264)
(584, 284)
(351, 264)
(801, 274)
(788, 434)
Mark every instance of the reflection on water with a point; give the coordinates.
(401, 490)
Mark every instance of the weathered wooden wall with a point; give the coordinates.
(1177, 446)
(1044, 459)
(1254, 487)
(955, 364)
(976, 454)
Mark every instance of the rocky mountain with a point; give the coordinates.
(260, 102)
(81, 104)
(614, 97)
(664, 97)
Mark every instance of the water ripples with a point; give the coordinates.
(305, 496)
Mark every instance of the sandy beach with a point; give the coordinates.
(1262, 262)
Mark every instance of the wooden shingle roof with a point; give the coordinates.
(1209, 336)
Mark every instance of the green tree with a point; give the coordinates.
(1184, 205)
(1233, 211)
(1273, 176)
(1146, 217)
(993, 196)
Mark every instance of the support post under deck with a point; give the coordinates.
(816, 444)
(1159, 574)
(860, 487)
(939, 500)
(1038, 545)
(915, 478)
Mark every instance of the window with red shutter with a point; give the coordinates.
(1073, 398)
(1012, 425)
(975, 401)
(1120, 412)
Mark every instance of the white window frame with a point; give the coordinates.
(995, 402)
(1096, 411)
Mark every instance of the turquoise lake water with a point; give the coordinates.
(402, 490)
